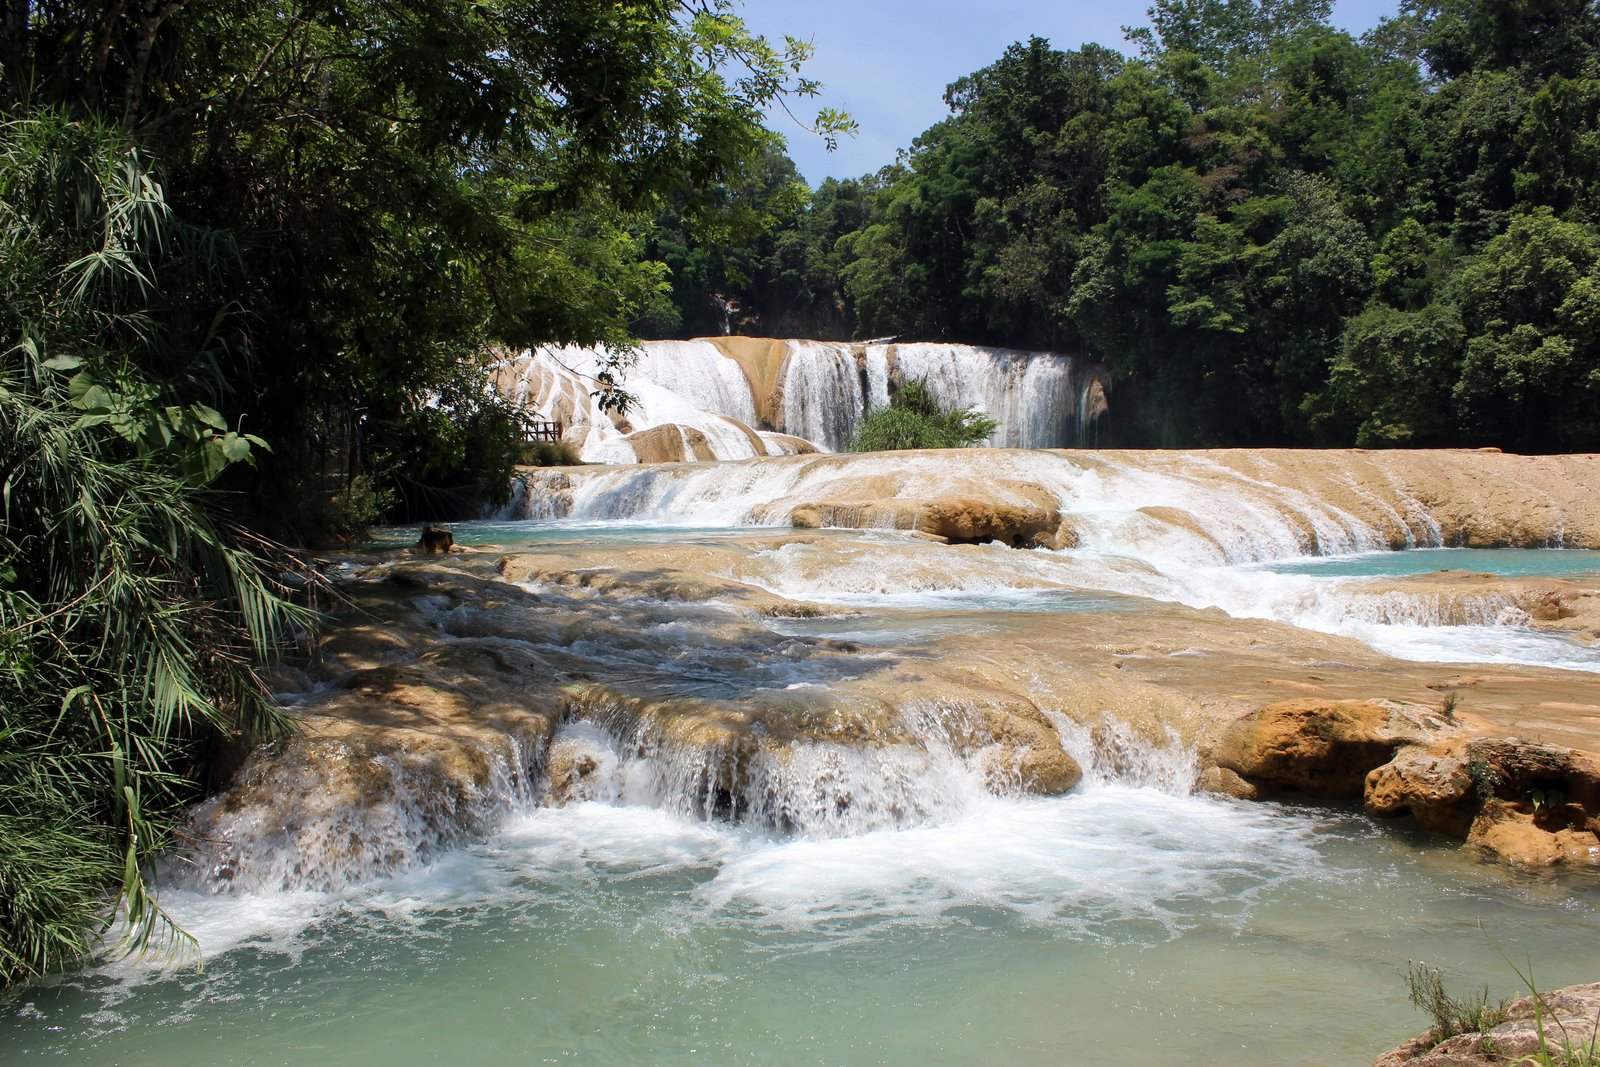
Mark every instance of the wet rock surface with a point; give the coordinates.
(1551, 1024)
(765, 656)
(438, 698)
(1324, 748)
(954, 520)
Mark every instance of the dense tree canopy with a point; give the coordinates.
(406, 182)
(1274, 232)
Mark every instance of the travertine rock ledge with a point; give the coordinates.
(1528, 803)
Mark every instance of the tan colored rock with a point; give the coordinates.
(1324, 748)
(1516, 836)
(790, 445)
(1435, 788)
(1525, 803)
(571, 774)
(1227, 783)
(1029, 752)
(969, 521)
(671, 443)
(659, 444)
(1568, 1016)
(1539, 803)
(1515, 769)
(956, 520)
(763, 361)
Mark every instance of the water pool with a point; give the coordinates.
(1117, 924)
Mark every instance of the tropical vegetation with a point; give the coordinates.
(1274, 232)
(914, 418)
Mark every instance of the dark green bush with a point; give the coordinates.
(131, 615)
(915, 419)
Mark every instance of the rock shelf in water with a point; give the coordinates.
(455, 689)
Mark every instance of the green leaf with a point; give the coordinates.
(209, 416)
(95, 398)
(235, 448)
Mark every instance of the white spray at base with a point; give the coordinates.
(824, 789)
(820, 835)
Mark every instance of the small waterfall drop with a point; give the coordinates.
(822, 397)
(349, 816)
(1114, 753)
(814, 789)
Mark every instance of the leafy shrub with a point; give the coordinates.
(131, 614)
(916, 419)
(548, 454)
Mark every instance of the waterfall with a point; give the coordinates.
(822, 398)
(1032, 397)
(698, 372)
(794, 396)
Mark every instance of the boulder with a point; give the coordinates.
(1220, 781)
(1513, 835)
(1526, 803)
(1324, 748)
(1435, 788)
(671, 443)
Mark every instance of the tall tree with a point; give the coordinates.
(410, 180)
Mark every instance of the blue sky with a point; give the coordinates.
(887, 61)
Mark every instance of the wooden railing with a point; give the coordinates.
(539, 430)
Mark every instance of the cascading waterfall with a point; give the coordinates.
(320, 841)
(1189, 510)
(822, 397)
(1033, 399)
(816, 789)
(713, 393)
(1113, 753)
(1200, 529)
(317, 837)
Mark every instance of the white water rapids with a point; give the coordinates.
(1129, 921)
(1192, 532)
(901, 902)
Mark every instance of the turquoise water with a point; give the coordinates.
(1122, 923)
(525, 535)
(519, 535)
(1117, 925)
(1505, 562)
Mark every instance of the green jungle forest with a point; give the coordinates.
(256, 256)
